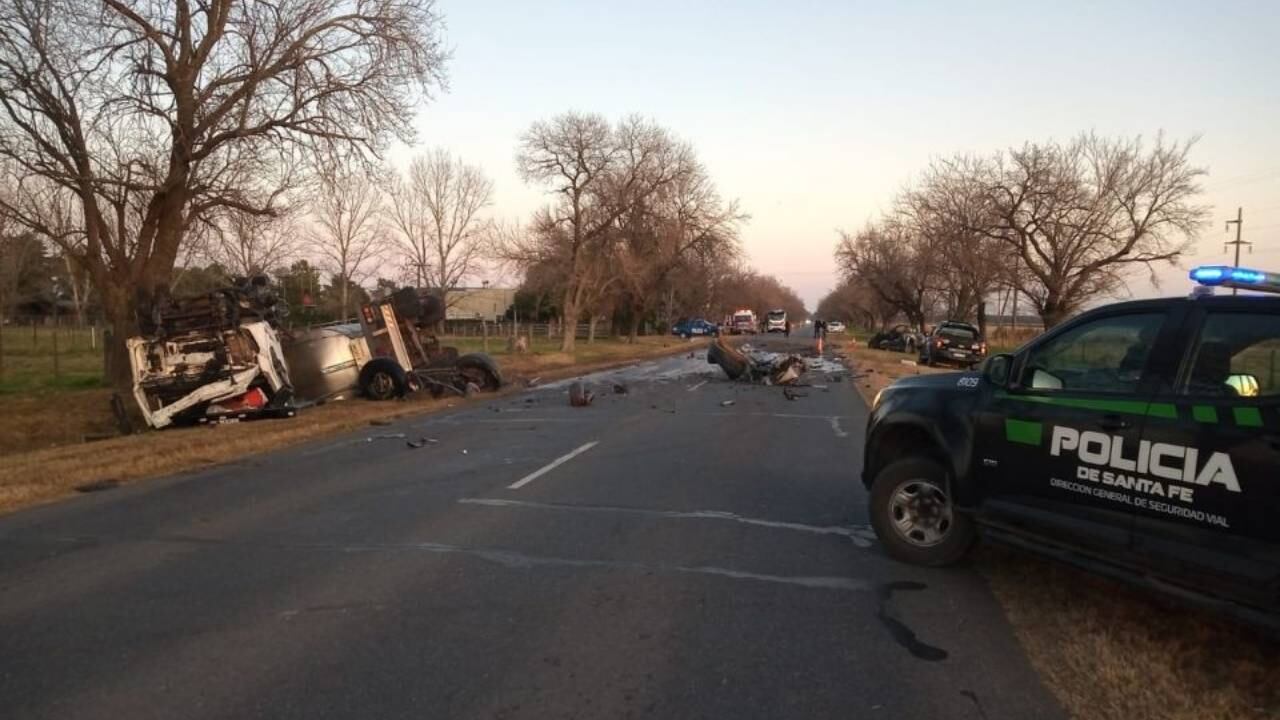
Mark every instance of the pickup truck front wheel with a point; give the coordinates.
(913, 515)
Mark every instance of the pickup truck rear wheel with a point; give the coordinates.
(913, 516)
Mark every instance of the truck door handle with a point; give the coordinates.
(1112, 422)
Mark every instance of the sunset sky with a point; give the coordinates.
(813, 114)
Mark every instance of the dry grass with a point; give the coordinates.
(1112, 652)
(44, 456)
(1107, 650)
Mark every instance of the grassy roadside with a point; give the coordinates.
(1107, 650)
(45, 456)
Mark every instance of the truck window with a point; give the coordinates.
(1237, 355)
(1106, 355)
(955, 332)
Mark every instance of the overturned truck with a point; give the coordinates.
(211, 357)
(390, 353)
(224, 356)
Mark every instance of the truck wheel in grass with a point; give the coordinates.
(913, 516)
(481, 370)
(383, 379)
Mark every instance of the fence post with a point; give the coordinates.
(57, 370)
(484, 331)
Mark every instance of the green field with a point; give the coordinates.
(49, 359)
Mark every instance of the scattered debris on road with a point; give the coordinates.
(620, 389)
(421, 442)
(749, 365)
(98, 486)
(726, 403)
(579, 395)
(386, 436)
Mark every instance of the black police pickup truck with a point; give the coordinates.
(1139, 440)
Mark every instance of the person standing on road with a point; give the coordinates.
(820, 332)
(788, 329)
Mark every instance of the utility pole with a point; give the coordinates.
(1239, 223)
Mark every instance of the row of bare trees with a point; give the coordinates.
(156, 119)
(633, 220)
(1061, 224)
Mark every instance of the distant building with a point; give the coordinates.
(481, 303)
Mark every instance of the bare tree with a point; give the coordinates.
(162, 112)
(901, 265)
(348, 235)
(1079, 215)
(595, 173)
(686, 218)
(435, 210)
(247, 244)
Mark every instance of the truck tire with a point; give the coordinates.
(480, 369)
(383, 379)
(913, 516)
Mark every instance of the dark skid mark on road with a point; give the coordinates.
(904, 635)
(976, 703)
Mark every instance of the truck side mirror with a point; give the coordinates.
(996, 369)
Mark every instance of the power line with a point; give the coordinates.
(1244, 180)
(1239, 223)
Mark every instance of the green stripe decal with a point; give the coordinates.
(1127, 407)
(1204, 413)
(1248, 416)
(1022, 431)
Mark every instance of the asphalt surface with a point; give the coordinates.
(699, 560)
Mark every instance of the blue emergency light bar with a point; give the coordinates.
(1236, 277)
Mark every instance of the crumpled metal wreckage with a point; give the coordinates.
(747, 365)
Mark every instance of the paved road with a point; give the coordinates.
(688, 560)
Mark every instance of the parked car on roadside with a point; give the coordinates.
(695, 327)
(1140, 440)
(899, 338)
(953, 342)
(835, 326)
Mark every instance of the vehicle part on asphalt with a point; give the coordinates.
(751, 366)
(726, 403)
(579, 395)
(387, 436)
(619, 389)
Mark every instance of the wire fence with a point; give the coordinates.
(49, 353)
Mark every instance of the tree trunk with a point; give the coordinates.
(635, 328)
(345, 297)
(591, 329)
(570, 315)
(1052, 314)
(120, 308)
